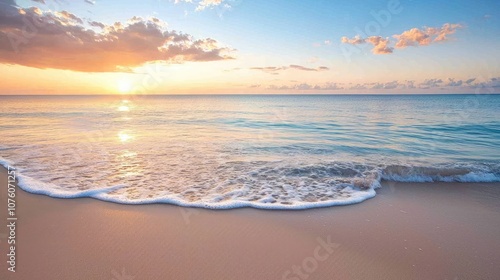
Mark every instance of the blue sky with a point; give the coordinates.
(308, 34)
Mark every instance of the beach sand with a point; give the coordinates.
(408, 231)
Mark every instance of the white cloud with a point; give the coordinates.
(204, 4)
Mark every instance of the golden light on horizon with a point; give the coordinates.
(124, 86)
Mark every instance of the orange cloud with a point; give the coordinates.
(379, 45)
(417, 37)
(60, 40)
(412, 37)
(354, 41)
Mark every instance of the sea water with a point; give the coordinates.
(263, 151)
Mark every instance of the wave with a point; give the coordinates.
(268, 185)
(464, 173)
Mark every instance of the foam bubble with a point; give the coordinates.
(269, 185)
(33, 186)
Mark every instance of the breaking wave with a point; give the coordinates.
(265, 185)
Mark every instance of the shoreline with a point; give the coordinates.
(407, 231)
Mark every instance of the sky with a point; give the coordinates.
(248, 46)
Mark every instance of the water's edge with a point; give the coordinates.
(32, 185)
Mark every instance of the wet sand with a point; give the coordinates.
(408, 231)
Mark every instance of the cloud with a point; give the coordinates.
(453, 83)
(298, 67)
(412, 37)
(354, 41)
(303, 86)
(491, 83)
(389, 85)
(431, 83)
(307, 86)
(426, 36)
(409, 84)
(331, 86)
(97, 24)
(269, 69)
(469, 81)
(396, 85)
(69, 17)
(43, 1)
(392, 86)
(380, 45)
(274, 69)
(61, 40)
(358, 86)
(204, 4)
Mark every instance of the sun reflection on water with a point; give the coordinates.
(123, 108)
(125, 137)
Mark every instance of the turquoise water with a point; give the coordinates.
(276, 152)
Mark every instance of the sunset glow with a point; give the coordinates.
(124, 86)
(229, 46)
(250, 139)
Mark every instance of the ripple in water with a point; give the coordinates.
(241, 151)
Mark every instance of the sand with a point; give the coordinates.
(408, 231)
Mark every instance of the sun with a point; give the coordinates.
(124, 86)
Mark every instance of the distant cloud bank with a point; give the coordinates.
(470, 84)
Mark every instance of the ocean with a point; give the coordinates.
(262, 151)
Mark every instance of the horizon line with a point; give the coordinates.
(250, 94)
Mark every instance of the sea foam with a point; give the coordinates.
(281, 187)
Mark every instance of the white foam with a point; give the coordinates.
(356, 198)
(6, 163)
(472, 177)
(33, 186)
(458, 172)
(201, 181)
